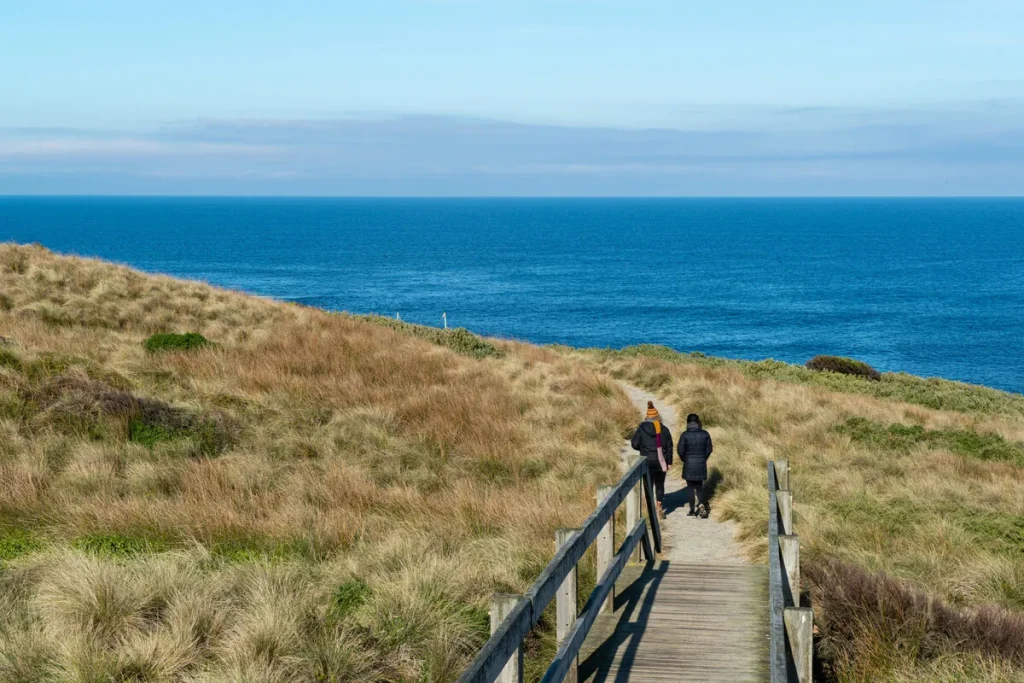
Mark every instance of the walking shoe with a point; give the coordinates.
(703, 512)
(691, 513)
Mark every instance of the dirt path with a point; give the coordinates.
(686, 539)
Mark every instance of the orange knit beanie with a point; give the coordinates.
(651, 410)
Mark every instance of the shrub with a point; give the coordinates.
(844, 366)
(172, 341)
(911, 622)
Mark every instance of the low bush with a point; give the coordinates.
(844, 366)
(912, 623)
(172, 341)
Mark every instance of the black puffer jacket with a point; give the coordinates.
(694, 451)
(645, 441)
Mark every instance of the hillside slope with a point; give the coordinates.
(909, 503)
(312, 497)
(321, 497)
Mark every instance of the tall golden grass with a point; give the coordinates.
(314, 497)
(878, 524)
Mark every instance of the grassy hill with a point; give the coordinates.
(320, 497)
(310, 497)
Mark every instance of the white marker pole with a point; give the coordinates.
(444, 319)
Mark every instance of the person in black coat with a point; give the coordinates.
(694, 450)
(648, 436)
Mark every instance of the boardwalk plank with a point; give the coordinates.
(678, 622)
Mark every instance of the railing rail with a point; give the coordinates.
(507, 638)
(776, 605)
(791, 626)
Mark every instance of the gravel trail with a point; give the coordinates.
(686, 539)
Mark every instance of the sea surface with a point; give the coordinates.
(934, 287)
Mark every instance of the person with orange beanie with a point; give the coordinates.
(654, 441)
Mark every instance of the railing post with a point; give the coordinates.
(789, 546)
(606, 548)
(502, 605)
(800, 634)
(566, 602)
(782, 474)
(785, 499)
(632, 508)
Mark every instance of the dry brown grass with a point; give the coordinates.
(302, 455)
(932, 516)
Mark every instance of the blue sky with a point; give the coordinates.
(512, 97)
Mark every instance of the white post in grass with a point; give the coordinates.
(398, 317)
(606, 548)
(444, 320)
(565, 603)
(502, 605)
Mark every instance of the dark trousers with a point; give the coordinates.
(695, 489)
(658, 479)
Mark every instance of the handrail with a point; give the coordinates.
(570, 647)
(776, 601)
(506, 639)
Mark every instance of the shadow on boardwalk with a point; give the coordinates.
(682, 621)
(634, 605)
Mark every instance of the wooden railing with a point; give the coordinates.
(514, 616)
(791, 627)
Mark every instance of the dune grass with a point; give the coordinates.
(910, 517)
(309, 497)
(322, 497)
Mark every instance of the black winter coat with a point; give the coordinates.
(644, 440)
(694, 450)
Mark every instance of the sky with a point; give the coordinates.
(512, 97)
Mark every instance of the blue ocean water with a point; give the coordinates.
(934, 287)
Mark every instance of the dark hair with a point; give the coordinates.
(693, 417)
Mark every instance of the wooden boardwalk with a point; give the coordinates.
(675, 621)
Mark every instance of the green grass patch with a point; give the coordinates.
(173, 341)
(241, 550)
(458, 339)
(17, 542)
(963, 442)
(119, 545)
(150, 435)
(997, 531)
(348, 597)
(8, 359)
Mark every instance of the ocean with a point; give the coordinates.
(933, 287)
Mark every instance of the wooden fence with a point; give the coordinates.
(791, 626)
(514, 616)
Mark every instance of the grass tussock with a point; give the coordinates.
(909, 496)
(174, 341)
(309, 497)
